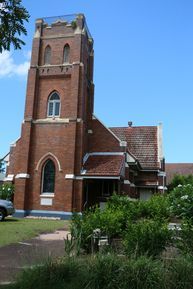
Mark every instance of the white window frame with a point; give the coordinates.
(54, 102)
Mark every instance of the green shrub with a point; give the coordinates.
(181, 201)
(99, 272)
(118, 213)
(7, 192)
(129, 207)
(110, 223)
(146, 237)
(157, 207)
(179, 275)
(180, 180)
(184, 237)
(68, 274)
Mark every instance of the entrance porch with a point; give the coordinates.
(97, 191)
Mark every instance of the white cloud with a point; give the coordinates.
(9, 68)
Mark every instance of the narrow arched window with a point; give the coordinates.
(66, 57)
(47, 55)
(53, 105)
(48, 177)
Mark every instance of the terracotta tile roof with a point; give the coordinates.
(142, 143)
(104, 165)
(173, 169)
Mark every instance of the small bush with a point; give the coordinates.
(157, 207)
(184, 237)
(7, 192)
(179, 275)
(110, 223)
(181, 201)
(180, 180)
(146, 237)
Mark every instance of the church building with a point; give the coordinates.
(66, 159)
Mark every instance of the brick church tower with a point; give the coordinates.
(66, 159)
(59, 104)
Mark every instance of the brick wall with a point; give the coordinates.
(64, 139)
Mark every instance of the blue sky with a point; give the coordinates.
(143, 67)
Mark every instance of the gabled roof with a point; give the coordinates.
(173, 169)
(142, 142)
(104, 165)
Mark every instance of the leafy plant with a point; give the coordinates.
(157, 207)
(180, 180)
(73, 241)
(7, 192)
(12, 17)
(181, 201)
(109, 222)
(184, 237)
(146, 237)
(114, 219)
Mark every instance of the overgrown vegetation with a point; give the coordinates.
(146, 237)
(141, 226)
(142, 232)
(109, 272)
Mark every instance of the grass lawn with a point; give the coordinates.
(14, 230)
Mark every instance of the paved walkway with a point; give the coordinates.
(15, 257)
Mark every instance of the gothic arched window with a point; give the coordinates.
(66, 55)
(47, 55)
(53, 105)
(48, 177)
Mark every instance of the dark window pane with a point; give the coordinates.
(66, 53)
(50, 108)
(57, 108)
(47, 55)
(54, 96)
(49, 177)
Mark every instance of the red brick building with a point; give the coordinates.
(66, 159)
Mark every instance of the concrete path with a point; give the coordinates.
(15, 257)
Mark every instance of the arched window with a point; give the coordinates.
(66, 54)
(53, 105)
(47, 55)
(48, 177)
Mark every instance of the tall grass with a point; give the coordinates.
(108, 272)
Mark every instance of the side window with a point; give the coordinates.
(66, 56)
(48, 177)
(53, 105)
(47, 55)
